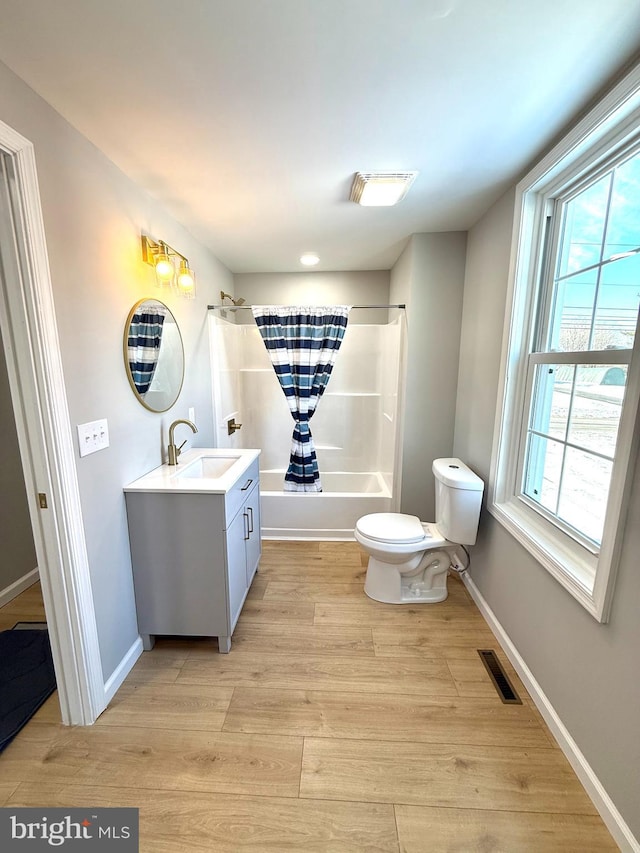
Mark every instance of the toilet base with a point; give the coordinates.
(426, 584)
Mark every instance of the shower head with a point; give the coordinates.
(236, 302)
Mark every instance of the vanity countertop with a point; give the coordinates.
(190, 476)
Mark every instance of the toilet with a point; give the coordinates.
(408, 558)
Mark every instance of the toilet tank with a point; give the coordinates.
(458, 500)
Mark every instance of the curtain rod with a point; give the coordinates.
(241, 307)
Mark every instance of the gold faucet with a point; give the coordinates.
(174, 451)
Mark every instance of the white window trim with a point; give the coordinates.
(609, 126)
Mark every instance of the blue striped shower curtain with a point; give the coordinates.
(143, 345)
(302, 344)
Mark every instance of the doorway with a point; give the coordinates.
(29, 337)
(26, 669)
(18, 561)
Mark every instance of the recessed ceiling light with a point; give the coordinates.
(309, 259)
(380, 189)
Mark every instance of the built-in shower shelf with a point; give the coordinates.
(326, 394)
(256, 370)
(351, 394)
(327, 447)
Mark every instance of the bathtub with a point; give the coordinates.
(330, 514)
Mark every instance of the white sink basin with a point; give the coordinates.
(208, 467)
(201, 470)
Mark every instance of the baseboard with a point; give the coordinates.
(10, 592)
(594, 788)
(123, 669)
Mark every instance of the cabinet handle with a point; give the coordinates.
(246, 486)
(246, 527)
(250, 509)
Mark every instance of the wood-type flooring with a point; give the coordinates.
(335, 725)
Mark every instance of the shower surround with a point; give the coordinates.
(355, 428)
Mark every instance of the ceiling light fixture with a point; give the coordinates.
(380, 189)
(162, 258)
(309, 259)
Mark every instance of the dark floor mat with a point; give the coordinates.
(27, 678)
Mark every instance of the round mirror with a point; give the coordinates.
(153, 354)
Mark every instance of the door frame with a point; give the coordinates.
(38, 393)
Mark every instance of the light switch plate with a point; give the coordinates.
(93, 436)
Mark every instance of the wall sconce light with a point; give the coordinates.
(162, 258)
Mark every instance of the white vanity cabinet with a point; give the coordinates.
(195, 548)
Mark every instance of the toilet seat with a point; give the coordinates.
(397, 533)
(392, 528)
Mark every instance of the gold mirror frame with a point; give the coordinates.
(168, 369)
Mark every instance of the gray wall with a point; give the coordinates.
(316, 288)
(429, 278)
(18, 556)
(93, 217)
(588, 671)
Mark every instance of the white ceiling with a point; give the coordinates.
(248, 118)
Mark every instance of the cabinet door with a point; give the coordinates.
(179, 565)
(254, 542)
(237, 538)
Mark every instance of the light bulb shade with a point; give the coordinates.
(163, 259)
(165, 271)
(186, 281)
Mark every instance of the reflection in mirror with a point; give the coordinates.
(153, 354)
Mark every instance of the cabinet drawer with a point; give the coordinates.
(236, 496)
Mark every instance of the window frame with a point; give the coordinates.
(602, 136)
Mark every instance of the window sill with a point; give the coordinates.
(570, 564)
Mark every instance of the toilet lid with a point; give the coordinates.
(391, 527)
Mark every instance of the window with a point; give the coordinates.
(586, 321)
(570, 374)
